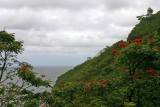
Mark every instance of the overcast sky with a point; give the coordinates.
(66, 32)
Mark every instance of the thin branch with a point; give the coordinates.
(7, 77)
(3, 67)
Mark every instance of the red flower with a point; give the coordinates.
(122, 44)
(149, 39)
(139, 76)
(43, 76)
(136, 40)
(149, 70)
(156, 74)
(115, 51)
(88, 88)
(102, 82)
(131, 76)
(23, 68)
(62, 85)
(113, 61)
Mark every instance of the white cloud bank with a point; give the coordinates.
(71, 27)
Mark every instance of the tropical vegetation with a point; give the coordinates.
(126, 74)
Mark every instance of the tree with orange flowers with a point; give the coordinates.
(141, 59)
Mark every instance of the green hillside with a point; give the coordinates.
(126, 74)
(99, 66)
(146, 26)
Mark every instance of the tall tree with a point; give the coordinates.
(15, 76)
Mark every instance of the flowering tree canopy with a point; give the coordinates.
(141, 58)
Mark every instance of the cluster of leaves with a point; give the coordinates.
(27, 74)
(8, 43)
(80, 94)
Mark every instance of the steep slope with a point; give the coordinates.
(100, 66)
(97, 67)
(146, 26)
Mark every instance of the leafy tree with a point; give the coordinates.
(149, 12)
(141, 58)
(16, 77)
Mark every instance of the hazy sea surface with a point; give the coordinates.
(51, 72)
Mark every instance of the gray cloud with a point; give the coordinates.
(29, 19)
(71, 26)
(40, 4)
(67, 4)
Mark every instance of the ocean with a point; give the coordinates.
(51, 73)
